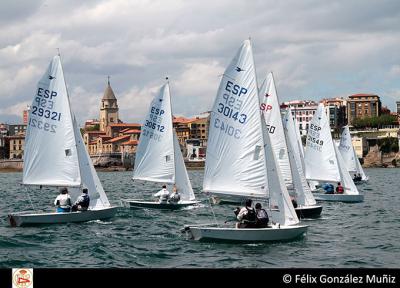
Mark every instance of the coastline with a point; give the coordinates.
(13, 166)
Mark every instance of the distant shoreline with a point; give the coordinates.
(99, 169)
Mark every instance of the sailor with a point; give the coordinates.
(174, 197)
(328, 187)
(246, 216)
(262, 217)
(82, 203)
(339, 188)
(63, 201)
(163, 195)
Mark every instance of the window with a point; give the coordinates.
(111, 119)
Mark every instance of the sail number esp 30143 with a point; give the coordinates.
(229, 107)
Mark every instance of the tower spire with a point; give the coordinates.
(108, 79)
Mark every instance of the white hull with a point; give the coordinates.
(209, 233)
(339, 197)
(24, 219)
(233, 199)
(134, 203)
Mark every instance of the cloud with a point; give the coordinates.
(315, 49)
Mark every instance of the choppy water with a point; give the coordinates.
(348, 235)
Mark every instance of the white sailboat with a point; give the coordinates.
(349, 155)
(55, 154)
(282, 140)
(240, 161)
(324, 161)
(158, 157)
(307, 206)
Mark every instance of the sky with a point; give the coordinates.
(316, 49)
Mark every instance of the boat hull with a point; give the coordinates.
(339, 197)
(26, 219)
(209, 233)
(156, 205)
(308, 211)
(220, 199)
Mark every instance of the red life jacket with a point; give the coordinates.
(339, 189)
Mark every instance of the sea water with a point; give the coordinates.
(347, 235)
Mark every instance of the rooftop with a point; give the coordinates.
(119, 138)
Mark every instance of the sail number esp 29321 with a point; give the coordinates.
(42, 108)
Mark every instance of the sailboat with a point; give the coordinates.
(240, 161)
(283, 140)
(55, 154)
(324, 162)
(158, 157)
(349, 155)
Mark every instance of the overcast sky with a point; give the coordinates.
(316, 49)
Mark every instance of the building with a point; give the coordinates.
(4, 144)
(16, 129)
(25, 116)
(92, 124)
(303, 111)
(199, 128)
(336, 112)
(17, 143)
(360, 146)
(109, 108)
(362, 105)
(109, 136)
(182, 129)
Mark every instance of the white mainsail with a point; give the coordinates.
(270, 107)
(155, 152)
(51, 157)
(347, 151)
(320, 157)
(90, 180)
(159, 157)
(360, 170)
(182, 179)
(278, 193)
(235, 162)
(347, 182)
(303, 191)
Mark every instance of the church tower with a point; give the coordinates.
(109, 108)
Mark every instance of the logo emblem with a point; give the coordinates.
(238, 69)
(51, 77)
(22, 278)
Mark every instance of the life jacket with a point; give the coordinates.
(251, 215)
(340, 190)
(64, 201)
(86, 201)
(262, 217)
(175, 197)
